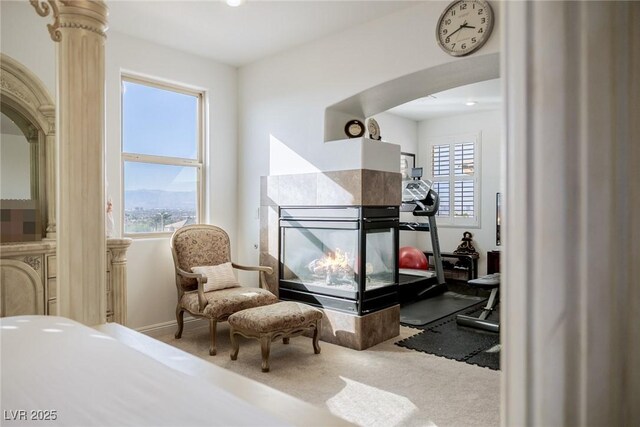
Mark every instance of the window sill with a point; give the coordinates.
(149, 236)
(449, 225)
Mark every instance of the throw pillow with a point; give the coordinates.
(218, 276)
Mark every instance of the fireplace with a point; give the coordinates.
(342, 258)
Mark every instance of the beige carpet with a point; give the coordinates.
(385, 385)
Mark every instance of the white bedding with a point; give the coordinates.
(90, 379)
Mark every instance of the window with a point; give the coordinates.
(455, 172)
(162, 133)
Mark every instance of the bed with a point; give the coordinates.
(59, 372)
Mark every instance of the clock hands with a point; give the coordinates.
(463, 25)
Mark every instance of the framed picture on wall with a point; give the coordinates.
(407, 162)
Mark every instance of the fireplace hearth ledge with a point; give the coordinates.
(360, 332)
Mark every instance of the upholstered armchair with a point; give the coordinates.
(205, 281)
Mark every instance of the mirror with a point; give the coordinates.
(27, 156)
(19, 178)
(18, 157)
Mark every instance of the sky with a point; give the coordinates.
(162, 123)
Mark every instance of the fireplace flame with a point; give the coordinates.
(334, 263)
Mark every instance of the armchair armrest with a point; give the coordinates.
(267, 270)
(260, 269)
(188, 275)
(202, 279)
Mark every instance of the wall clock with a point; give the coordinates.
(464, 26)
(354, 129)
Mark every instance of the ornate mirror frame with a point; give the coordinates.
(23, 92)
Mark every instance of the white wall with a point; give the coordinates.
(398, 130)
(285, 96)
(403, 131)
(151, 284)
(25, 38)
(489, 125)
(15, 167)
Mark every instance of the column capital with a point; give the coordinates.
(118, 248)
(90, 15)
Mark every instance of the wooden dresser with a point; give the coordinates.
(28, 279)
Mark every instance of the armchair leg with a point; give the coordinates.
(316, 338)
(180, 319)
(212, 330)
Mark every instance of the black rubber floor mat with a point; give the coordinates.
(445, 338)
(489, 358)
(431, 309)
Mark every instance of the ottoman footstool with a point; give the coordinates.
(271, 322)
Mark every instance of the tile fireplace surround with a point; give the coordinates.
(356, 187)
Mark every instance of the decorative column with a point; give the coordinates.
(118, 277)
(570, 318)
(50, 167)
(33, 138)
(79, 29)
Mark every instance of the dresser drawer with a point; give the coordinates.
(52, 307)
(52, 288)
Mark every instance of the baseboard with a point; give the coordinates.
(170, 327)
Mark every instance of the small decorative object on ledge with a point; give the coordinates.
(466, 246)
(374, 129)
(354, 128)
(109, 218)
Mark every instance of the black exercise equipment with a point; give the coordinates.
(489, 282)
(421, 200)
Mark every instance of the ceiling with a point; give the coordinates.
(486, 94)
(241, 35)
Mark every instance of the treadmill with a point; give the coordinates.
(421, 200)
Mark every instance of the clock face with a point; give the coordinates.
(464, 26)
(355, 129)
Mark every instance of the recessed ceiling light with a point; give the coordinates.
(235, 3)
(470, 103)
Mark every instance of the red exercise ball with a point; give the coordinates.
(410, 257)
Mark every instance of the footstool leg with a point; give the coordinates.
(285, 340)
(265, 344)
(316, 338)
(234, 344)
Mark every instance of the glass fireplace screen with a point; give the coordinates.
(329, 258)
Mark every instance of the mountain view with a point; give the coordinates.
(148, 211)
(159, 199)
